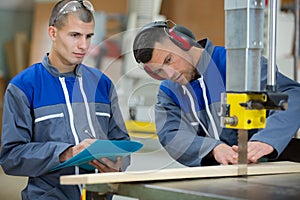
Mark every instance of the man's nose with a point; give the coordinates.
(170, 72)
(83, 43)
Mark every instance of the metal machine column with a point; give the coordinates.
(244, 22)
(244, 104)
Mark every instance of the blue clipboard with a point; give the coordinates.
(110, 149)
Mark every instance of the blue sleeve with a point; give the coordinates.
(19, 155)
(178, 136)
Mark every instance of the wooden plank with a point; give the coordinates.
(181, 173)
(274, 168)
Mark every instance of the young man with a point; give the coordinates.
(194, 76)
(55, 109)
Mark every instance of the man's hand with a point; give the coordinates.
(107, 165)
(256, 150)
(225, 155)
(72, 151)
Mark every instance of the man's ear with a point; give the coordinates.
(52, 32)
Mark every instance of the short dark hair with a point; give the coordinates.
(83, 14)
(144, 42)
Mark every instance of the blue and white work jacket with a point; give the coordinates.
(45, 113)
(187, 117)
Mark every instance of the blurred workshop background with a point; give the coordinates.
(24, 41)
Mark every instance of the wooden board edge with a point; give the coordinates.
(180, 173)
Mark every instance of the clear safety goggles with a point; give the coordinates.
(74, 6)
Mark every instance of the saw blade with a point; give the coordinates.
(242, 152)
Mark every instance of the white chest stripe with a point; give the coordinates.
(194, 123)
(48, 117)
(102, 114)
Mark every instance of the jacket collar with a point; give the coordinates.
(206, 55)
(53, 70)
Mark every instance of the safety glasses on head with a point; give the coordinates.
(73, 6)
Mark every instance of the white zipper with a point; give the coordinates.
(186, 91)
(86, 107)
(213, 123)
(69, 107)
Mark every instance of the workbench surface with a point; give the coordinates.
(273, 180)
(276, 186)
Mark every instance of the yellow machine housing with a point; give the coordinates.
(240, 114)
